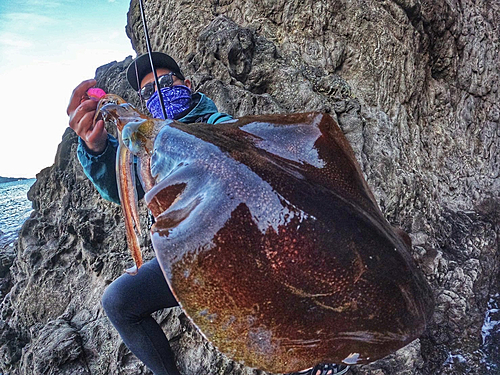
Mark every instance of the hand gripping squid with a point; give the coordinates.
(271, 239)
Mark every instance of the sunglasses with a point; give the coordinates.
(148, 90)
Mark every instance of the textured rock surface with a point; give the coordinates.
(414, 86)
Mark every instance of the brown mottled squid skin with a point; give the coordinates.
(273, 244)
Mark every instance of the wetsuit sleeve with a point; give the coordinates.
(100, 169)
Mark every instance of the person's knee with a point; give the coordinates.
(115, 303)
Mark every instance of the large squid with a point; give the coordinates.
(271, 239)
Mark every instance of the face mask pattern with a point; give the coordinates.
(177, 99)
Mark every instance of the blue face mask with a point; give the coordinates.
(177, 99)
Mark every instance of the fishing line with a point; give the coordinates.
(138, 85)
(148, 45)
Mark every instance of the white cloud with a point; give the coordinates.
(44, 3)
(115, 35)
(23, 20)
(14, 40)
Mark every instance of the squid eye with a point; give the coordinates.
(129, 137)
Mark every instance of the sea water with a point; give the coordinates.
(491, 335)
(15, 208)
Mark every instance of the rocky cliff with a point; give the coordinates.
(414, 86)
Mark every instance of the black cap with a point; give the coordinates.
(160, 60)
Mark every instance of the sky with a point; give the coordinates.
(47, 47)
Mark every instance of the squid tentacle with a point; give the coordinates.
(129, 202)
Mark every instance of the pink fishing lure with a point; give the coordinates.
(95, 93)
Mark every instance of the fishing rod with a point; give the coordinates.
(148, 45)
